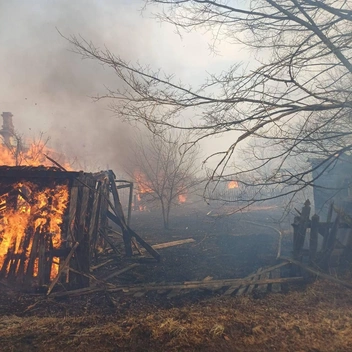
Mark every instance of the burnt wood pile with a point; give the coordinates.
(54, 225)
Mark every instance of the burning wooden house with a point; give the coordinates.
(54, 223)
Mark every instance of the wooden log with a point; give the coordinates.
(313, 240)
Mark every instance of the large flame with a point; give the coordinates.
(33, 155)
(143, 188)
(28, 211)
(232, 185)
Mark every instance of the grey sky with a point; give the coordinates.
(48, 88)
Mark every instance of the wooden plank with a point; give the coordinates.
(140, 240)
(173, 293)
(100, 265)
(301, 230)
(254, 279)
(121, 271)
(41, 260)
(6, 263)
(62, 268)
(81, 260)
(318, 273)
(110, 242)
(212, 285)
(33, 255)
(230, 290)
(172, 243)
(72, 214)
(330, 243)
(146, 245)
(263, 288)
(313, 240)
(275, 274)
(49, 257)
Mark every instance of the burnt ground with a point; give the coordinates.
(225, 247)
(312, 317)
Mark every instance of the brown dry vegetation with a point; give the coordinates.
(317, 318)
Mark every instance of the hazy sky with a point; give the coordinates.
(48, 88)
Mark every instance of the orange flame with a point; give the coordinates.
(232, 185)
(182, 198)
(142, 184)
(30, 214)
(142, 188)
(34, 155)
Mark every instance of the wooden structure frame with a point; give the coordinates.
(83, 230)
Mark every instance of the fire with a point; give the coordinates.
(182, 198)
(30, 217)
(33, 155)
(142, 184)
(232, 185)
(143, 189)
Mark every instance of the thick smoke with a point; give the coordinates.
(48, 88)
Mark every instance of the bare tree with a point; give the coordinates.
(294, 98)
(165, 168)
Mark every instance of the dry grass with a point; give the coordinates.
(317, 319)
